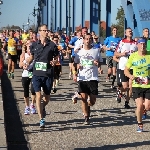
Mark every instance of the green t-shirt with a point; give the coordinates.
(148, 45)
(141, 69)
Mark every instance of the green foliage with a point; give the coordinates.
(120, 21)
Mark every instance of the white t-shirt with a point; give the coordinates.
(86, 58)
(78, 44)
(128, 46)
(25, 73)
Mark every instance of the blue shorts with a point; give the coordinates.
(44, 82)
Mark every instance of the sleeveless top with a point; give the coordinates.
(25, 73)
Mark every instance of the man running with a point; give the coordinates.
(87, 59)
(11, 43)
(126, 47)
(140, 63)
(45, 55)
(110, 45)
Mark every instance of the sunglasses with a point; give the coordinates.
(45, 30)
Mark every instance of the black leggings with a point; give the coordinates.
(57, 70)
(26, 83)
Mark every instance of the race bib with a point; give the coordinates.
(141, 80)
(19, 47)
(11, 49)
(30, 74)
(41, 66)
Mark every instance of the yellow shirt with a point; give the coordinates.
(12, 46)
(141, 69)
(24, 37)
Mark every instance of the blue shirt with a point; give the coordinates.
(111, 42)
(96, 45)
(72, 42)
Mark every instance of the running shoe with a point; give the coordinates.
(87, 121)
(27, 111)
(54, 91)
(42, 123)
(32, 108)
(144, 114)
(12, 75)
(140, 128)
(119, 95)
(127, 106)
(9, 75)
(75, 97)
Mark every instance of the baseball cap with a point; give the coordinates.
(141, 41)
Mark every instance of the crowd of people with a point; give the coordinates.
(41, 57)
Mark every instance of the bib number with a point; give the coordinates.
(11, 49)
(19, 47)
(141, 80)
(41, 66)
(30, 74)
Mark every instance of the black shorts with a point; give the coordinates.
(19, 52)
(119, 83)
(89, 87)
(12, 57)
(141, 92)
(121, 76)
(110, 62)
(70, 59)
(57, 70)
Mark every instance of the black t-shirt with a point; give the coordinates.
(42, 57)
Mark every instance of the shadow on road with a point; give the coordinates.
(115, 147)
(13, 125)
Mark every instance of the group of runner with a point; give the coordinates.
(41, 56)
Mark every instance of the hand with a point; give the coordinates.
(132, 77)
(124, 53)
(66, 56)
(74, 78)
(25, 67)
(96, 62)
(53, 62)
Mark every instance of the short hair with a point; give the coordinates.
(43, 25)
(113, 27)
(55, 36)
(78, 31)
(84, 28)
(146, 29)
(86, 35)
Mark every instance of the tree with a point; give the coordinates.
(102, 32)
(120, 21)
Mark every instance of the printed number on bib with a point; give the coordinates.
(19, 47)
(41, 66)
(141, 80)
(11, 49)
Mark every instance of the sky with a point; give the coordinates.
(19, 11)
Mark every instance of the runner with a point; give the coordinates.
(125, 48)
(45, 54)
(87, 59)
(26, 80)
(140, 63)
(11, 43)
(110, 45)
